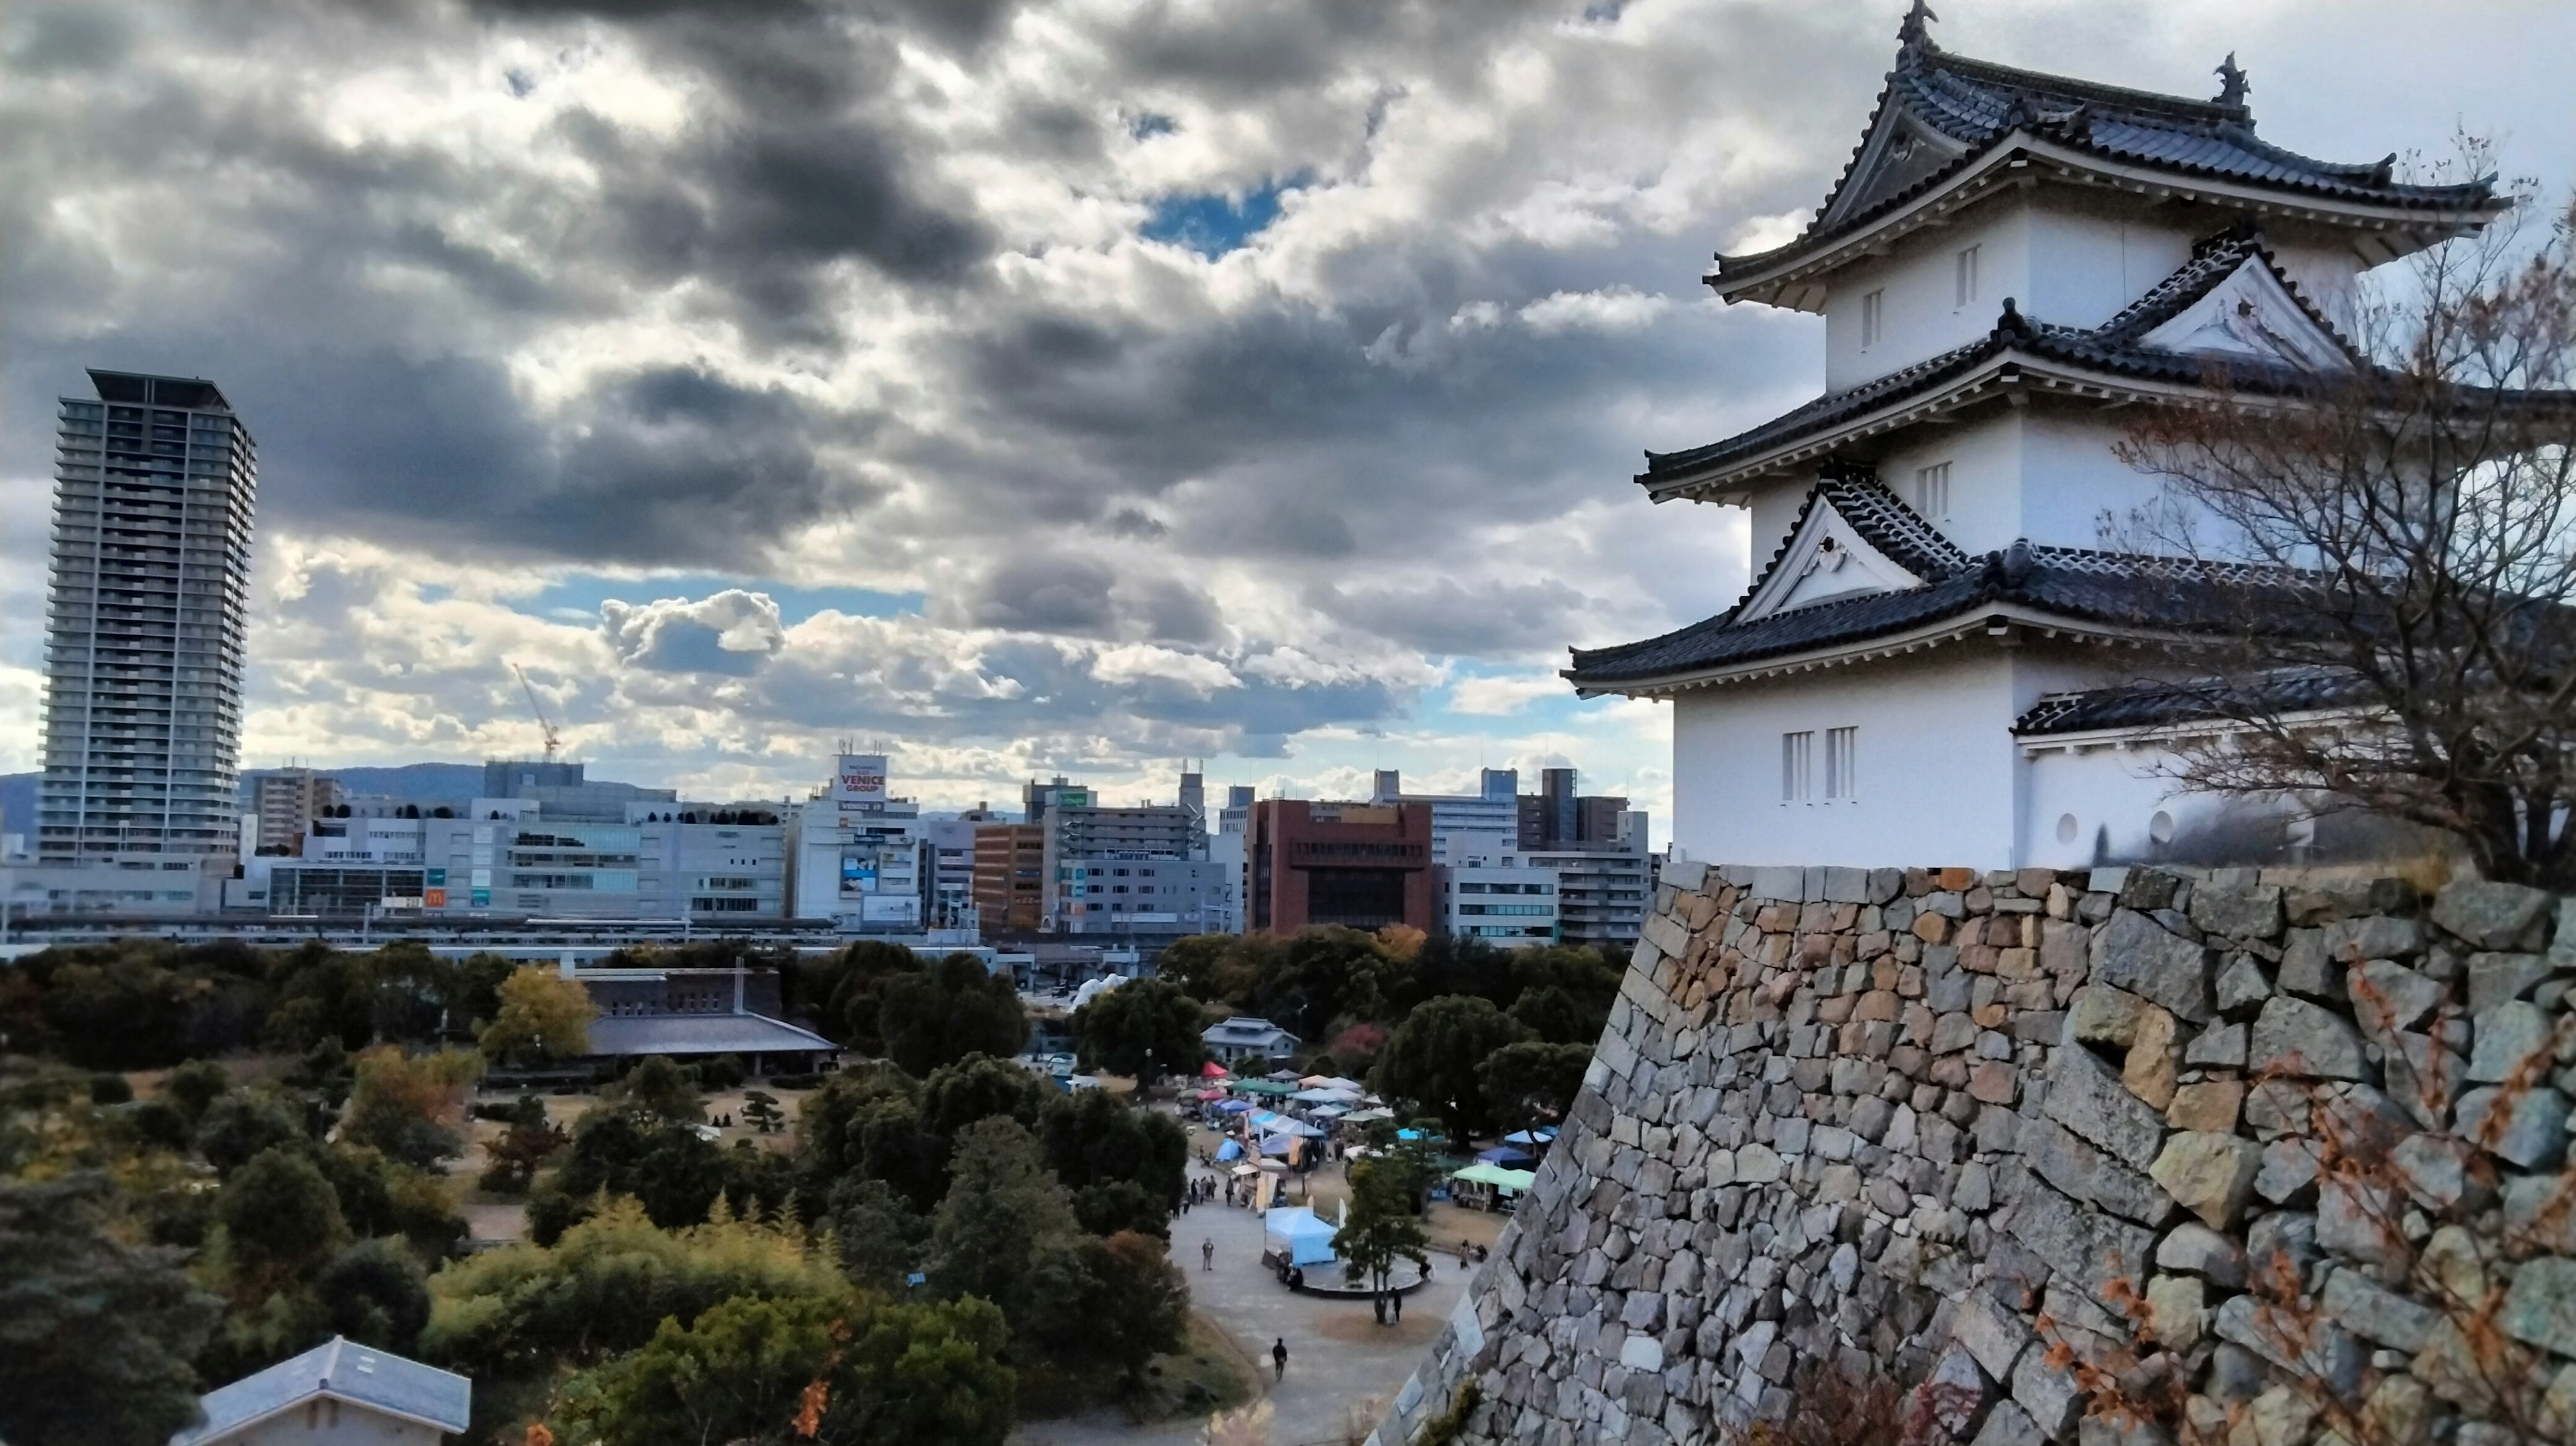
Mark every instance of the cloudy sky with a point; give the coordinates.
(1040, 387)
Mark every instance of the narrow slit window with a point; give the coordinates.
(1873, 315)
(1967, 277)
(1842, 763)
(1797, 763)
(1932, 492)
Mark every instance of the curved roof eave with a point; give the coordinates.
(2418, 221)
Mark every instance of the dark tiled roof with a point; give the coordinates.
(2148, 705)
(1882, 521)
(1977, 104)
(2116, 348)
(2105, 588)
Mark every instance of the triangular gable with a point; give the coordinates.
(1826, 559)
(1897, 152)
(2250, 314)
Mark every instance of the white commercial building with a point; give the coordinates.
(1490, 890)
(856, 852)
(1927, 667)
(1493, 809)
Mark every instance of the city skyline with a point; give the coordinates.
(733, 471)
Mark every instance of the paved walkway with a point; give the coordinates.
(1342, 1365)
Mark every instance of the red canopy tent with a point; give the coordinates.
(1211, 1070)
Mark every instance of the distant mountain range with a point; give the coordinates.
(449, 783)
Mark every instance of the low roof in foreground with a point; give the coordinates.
(340, 1368)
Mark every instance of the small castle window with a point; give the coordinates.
(1873, 309)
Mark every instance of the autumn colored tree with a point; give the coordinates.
(410, 1106)
(542, 1016)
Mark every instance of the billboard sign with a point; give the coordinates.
(858, 873)
(433, 898)
(437, 878)
(482, 898)
(861, 778)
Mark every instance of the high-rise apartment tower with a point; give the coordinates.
(154, 483)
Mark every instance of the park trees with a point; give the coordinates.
(659, 1089)
(1434, 1057)
(1143, 1028)
(410, 1106)
(839, 1370)
(95, 1334)
(1531, 1081)
(1381, 1228)
(281, 1220)
(953, 1009)
(541, 1016)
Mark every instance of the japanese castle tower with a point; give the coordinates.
(1925, 670)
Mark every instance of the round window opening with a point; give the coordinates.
(2066, 827)
(2161, 827)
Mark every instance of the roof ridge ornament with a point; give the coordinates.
(2012, 322)
(1914, 37)
(2231, 82)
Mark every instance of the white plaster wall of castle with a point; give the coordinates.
(2075, 262)
(1912, 785)
(2108, 804)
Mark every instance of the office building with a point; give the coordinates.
(1493, 808)
(154, 486)
(1602, 886)
(1490, 890)
(1036, 798)
(1010, 877)
(948, 867)
(286, 801)
(1364, 865)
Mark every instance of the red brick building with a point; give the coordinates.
(1365, 865)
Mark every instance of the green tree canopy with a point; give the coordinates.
(837, 1370)
(955, 1008)
(1321, 975)
(1091, 1138)
(375, 1292)
(659, 1088)
(240, 1125)
(1142, 1025)
(1434, 1057)
(980, 1087)
(1533, 1082)
(1002, 1206)
(1381, 1227)
(851, 988)
(95, 1335)
(605, 1287)
(281, 1219)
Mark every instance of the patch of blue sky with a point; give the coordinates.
(577, 597)
(1213, 223)
(1146, 124)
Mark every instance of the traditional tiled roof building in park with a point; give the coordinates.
(2009, 261)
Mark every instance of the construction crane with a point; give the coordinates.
(554, 739)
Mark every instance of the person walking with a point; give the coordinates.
(1279, 1359)
(1207, 1254)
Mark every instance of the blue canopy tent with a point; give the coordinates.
(1279, 1146)
(1229, 1150)
(1543, 1135)
(1296, 1230)
(1507, 1157)
(1234, 1107)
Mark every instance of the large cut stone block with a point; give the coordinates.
(2494, 916)
(2210, 1174)
(2087, 1247)
(2087, 1174)
(2294, 1037)
(2136, 953)
(2087, 1096)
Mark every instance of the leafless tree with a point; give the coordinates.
(2400, 540)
